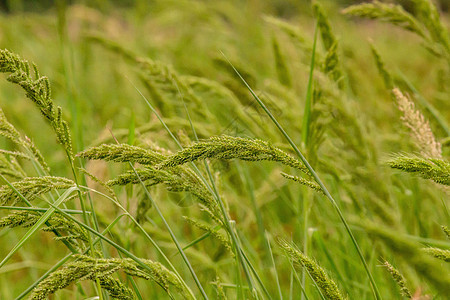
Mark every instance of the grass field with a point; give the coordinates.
(225, 150)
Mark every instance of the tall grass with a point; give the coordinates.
(249, 153)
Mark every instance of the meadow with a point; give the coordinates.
(225, 150)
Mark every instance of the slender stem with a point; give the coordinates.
(47, 223)
(146, 235)
(305, 143)
(63, 261)
(317, 179)
(69, 211)
(169, 229)
(240, 253)
(213, 191)
(280, 294)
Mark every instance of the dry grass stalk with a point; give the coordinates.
(419, 126)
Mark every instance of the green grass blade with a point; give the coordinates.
(63, 261)
(294, 272)
(319, 182)
(212, 189)
(69, 211)
(309, 92)
(197, 240)
(109, 241)
(37, 225)
(280, 294)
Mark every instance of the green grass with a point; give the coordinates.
(225, 149)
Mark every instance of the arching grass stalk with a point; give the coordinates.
(172, 235)
(68, 245)
(64, 260)
(375, 291)
(126, 213)
(212, 190)
(37, 226)
(107, 240)
(239, 252)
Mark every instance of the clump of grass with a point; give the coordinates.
(342, 140)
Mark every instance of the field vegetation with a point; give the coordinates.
(225, 150)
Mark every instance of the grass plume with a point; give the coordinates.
(437, 170)
(37, 89)
(32, 187)
(87, 268)
(420, 128)
(399, 279)
(317, 273)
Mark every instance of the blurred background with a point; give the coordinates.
(276, 6)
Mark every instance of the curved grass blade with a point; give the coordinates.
(375, 291)
(37, 225)
(63, 261)
(172, 235)
(212, 189)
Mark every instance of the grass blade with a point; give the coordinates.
(37, 225)
(375, 291)
(309, 92)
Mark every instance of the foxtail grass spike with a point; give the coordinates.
(399, 279)
(328, 287)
